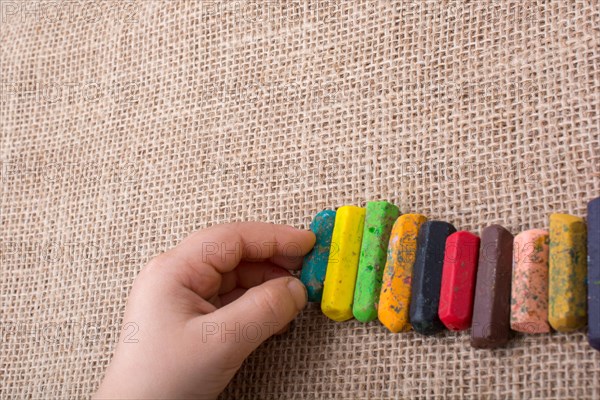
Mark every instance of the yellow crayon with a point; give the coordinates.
(342, 266)
(394, 300)
(567, 290)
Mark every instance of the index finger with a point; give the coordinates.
(224, 246)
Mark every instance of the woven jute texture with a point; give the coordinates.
(127, 125)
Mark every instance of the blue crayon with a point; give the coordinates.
(315, 262)
(593, 220)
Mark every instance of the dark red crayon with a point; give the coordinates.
(491, 308)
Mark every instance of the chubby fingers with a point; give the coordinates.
(204, 256)
(224, 246)
(261, 312)
(249, 274)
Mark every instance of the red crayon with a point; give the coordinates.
(458, 280)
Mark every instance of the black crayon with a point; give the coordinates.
(427, 277)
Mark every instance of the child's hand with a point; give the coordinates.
(203, 307)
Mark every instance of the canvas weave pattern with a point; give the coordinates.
(125, 128)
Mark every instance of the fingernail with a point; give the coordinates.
(298, 291)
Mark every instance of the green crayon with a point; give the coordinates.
(379, 220)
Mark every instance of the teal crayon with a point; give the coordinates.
(314, 266)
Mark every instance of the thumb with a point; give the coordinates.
(241, 326)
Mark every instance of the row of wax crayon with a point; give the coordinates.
(408, 272)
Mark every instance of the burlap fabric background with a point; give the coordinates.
(127, 125)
